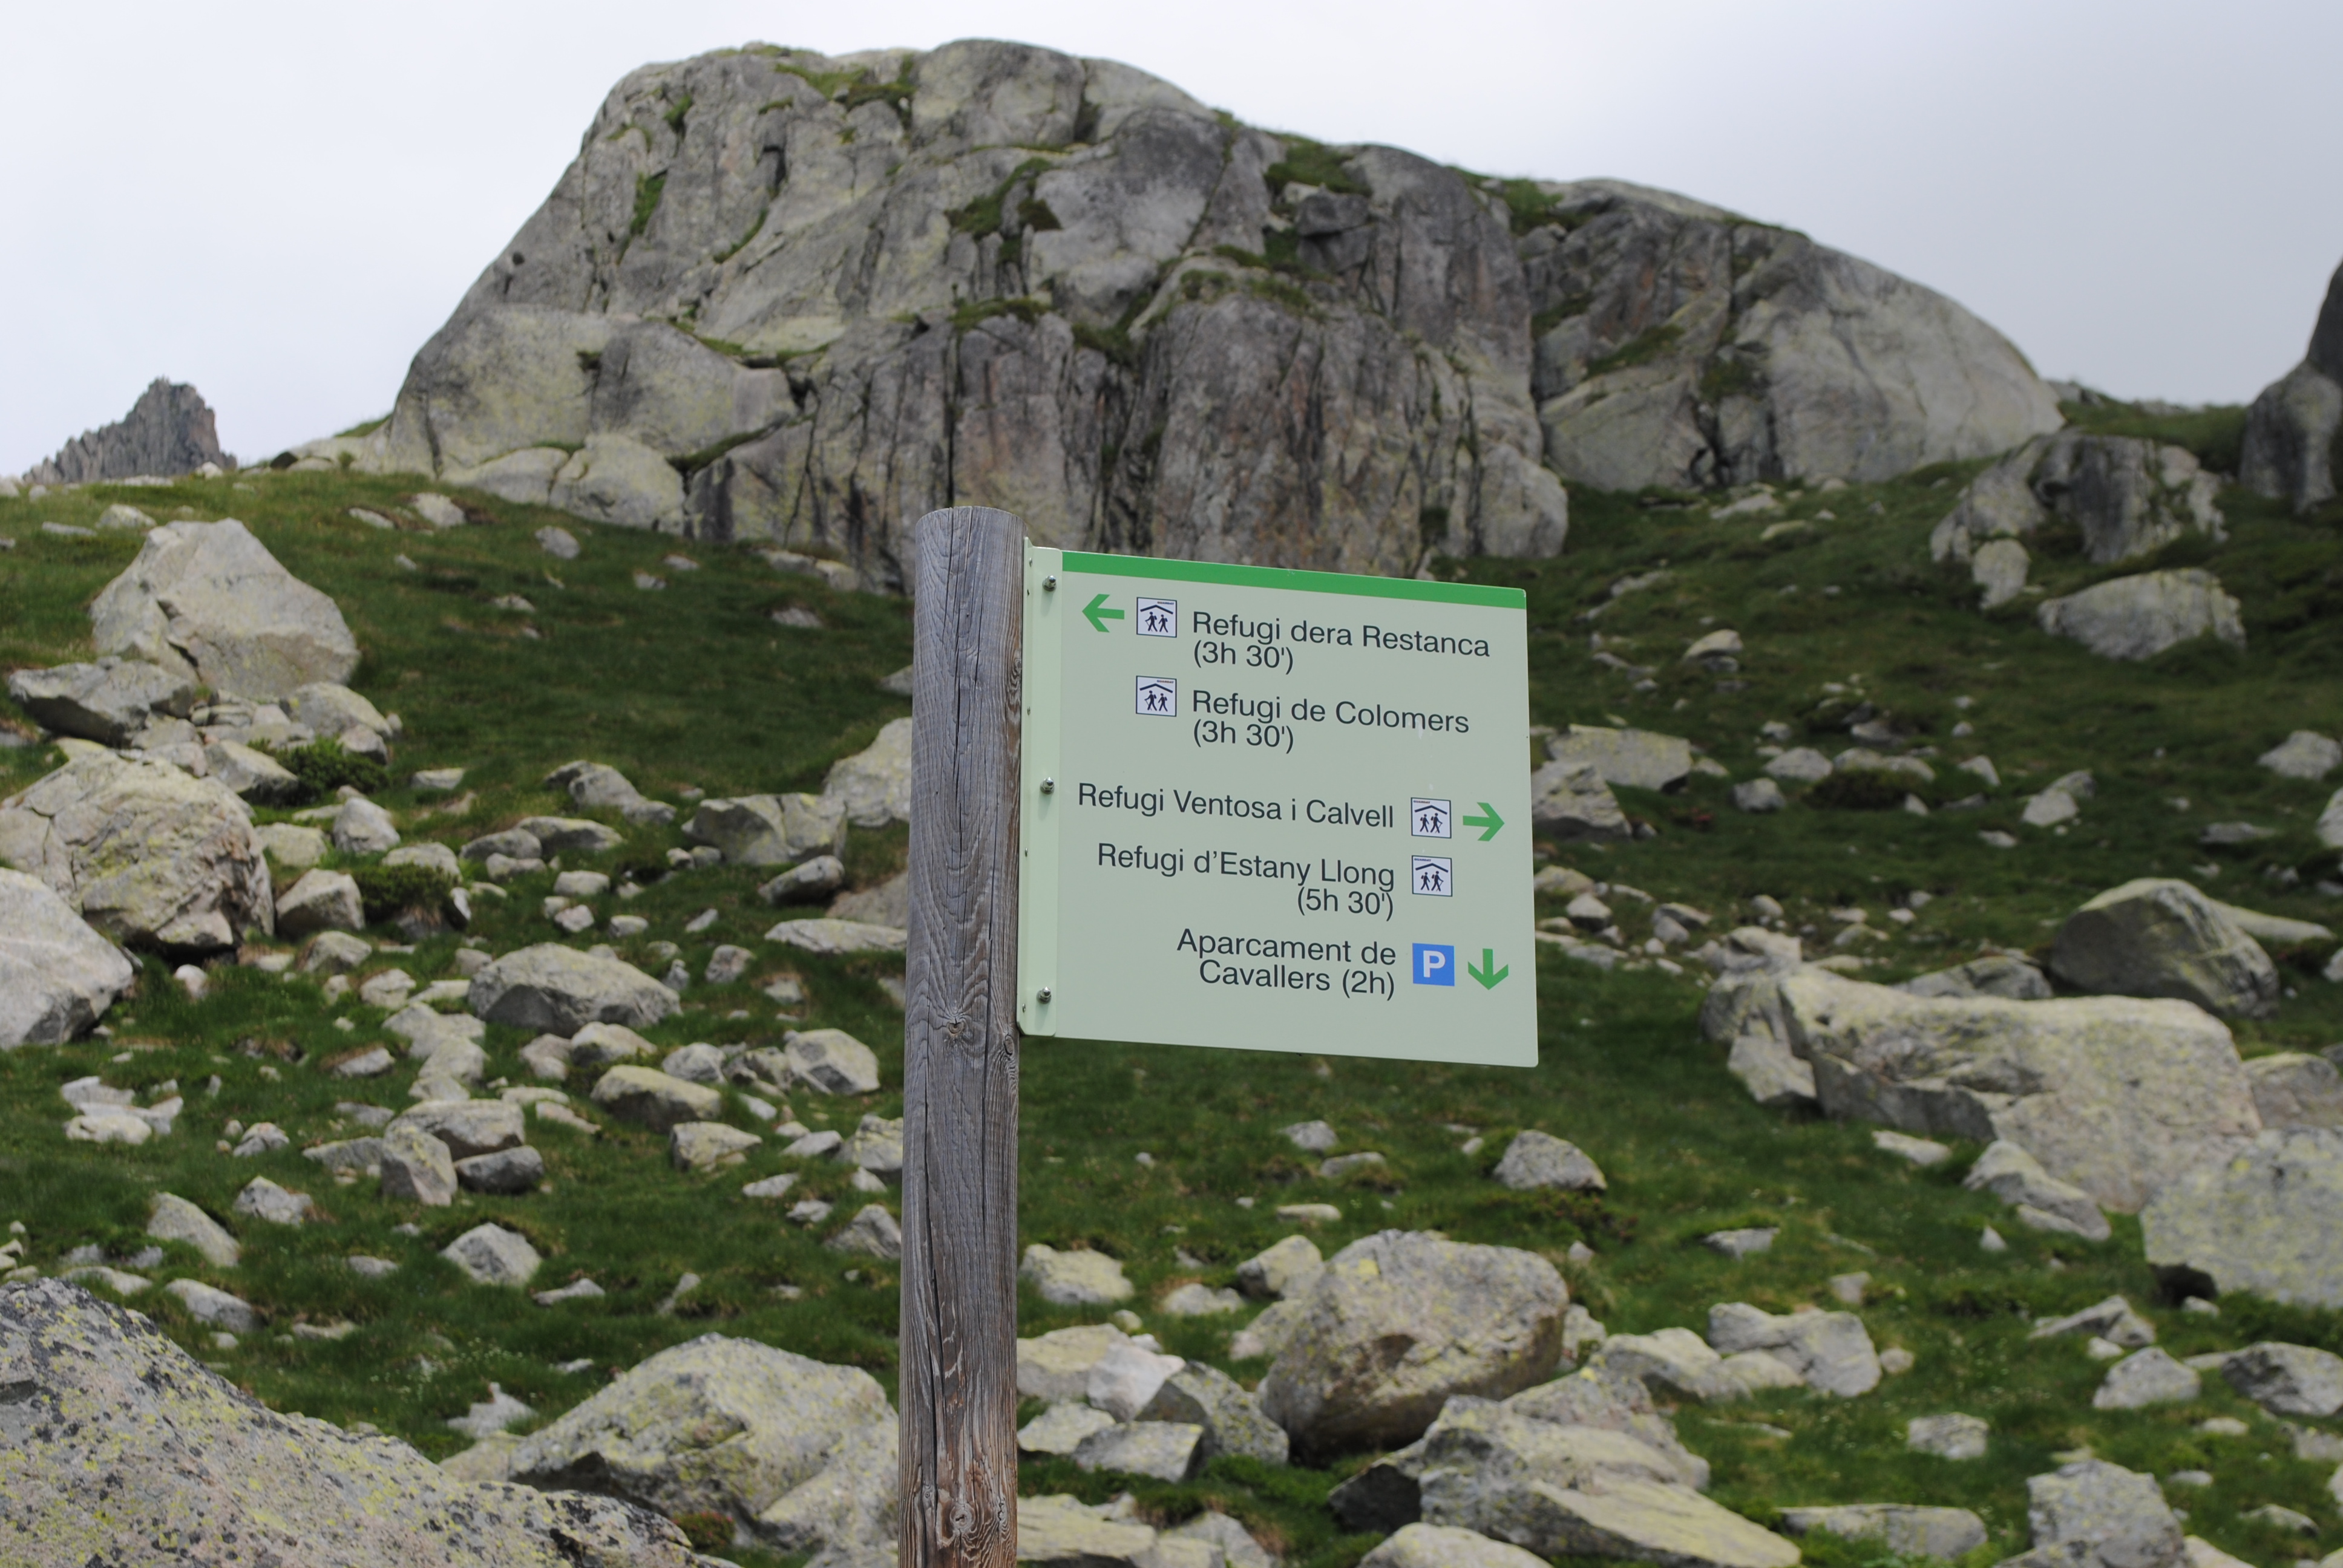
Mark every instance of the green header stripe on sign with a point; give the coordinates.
(1297, 581)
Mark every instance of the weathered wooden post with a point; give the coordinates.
(960, 1044)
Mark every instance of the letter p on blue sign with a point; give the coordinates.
(1434, 965)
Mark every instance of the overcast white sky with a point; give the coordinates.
(279, 202)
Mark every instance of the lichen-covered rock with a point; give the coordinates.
(2288, 1380)
(1397, 1323)
(1286, 1268)
(652, 1099)
(101, 1394)
(798, 1454)
(1536, 1159)
(873, 786)
(57, 976)
(559, 990)
(1570, 801)
(1438, 1546)
(2041, 1201)
(2145, 1378)
(467, 1127)
(2111, 1094)
(1637, 759)
(148, 854)
(1904, 1528)
(769, 829)
(1677, 1363)
(708, 1145)
(1056, 1366)
(1161, 1449)
(108, 703)
(1204, 1396)
(2137, 618)
(830, 1060)
(2266, 1218)
(493, 1255)
(320, 901)
(2127, 497)
(1074, 1278)
(174, 1219)
(2158, 936)
(1830, 1351)
(2095, 1514)
(208, 600)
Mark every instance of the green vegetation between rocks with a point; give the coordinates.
(697, 686)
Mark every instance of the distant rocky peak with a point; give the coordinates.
(169, 430)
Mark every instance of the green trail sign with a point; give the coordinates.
(1275, 810)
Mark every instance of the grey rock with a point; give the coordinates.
(1569, 802)
(265, 1200)
(2112, 1320)
(512, 844)
(2137, 618)
(769, 829)
(467, 1127)
(506, 1172)
(214, 1308)
(1231, 1420)
(2288, 1380)
(1163, 1451)
(1400, 1321)
(1438, 1546)
(1998, 974)
(799, 1455)
(808, 882)
(57, 976)
(150, 855)
(2290, 430)
(1946, 1436)
(1237, 1547)
(1060, 1429)
(355, 1156)
(1056, 1366)
(1309, 1137)
(558, 990)
(1904, 1528)
(2042, 1201)
(888, 904)
(174, 1219)
(290, 845)
(873, 786)
(605, 1044)
(320, 901)
(726, 963)
(492, 1255)
(597, 787)
(1536, 1159)
(695, 1064)
(330, 708)
(1200, 1301)
(1830, 1351)
(2145, 1378)
(1800, 765)
(872, 1232)
(1287, 1269)
(830, 1060)
(2127, 497)
(2291, 1090)
(1742, 1243)
(708, 1145)
(558, 542)
(108, 703)
(1073, 1278)
(253, 776)
(1758, 796)
(830, 938)
(209, 600)
(1637, 759)
(437, 858)
(121, 1398)
(570, 835)
(362, 828)
(2305, 754)
(2161, 937)
(2094, 1514)
(169, 430)
(2111, 1094)
(416, 1167)
(653, 1099)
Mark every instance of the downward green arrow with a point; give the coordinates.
(1491, 821)
(1097, 617)
(1488, 974)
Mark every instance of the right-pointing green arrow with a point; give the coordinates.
(1491, 821)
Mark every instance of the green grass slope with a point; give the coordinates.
(696, 684)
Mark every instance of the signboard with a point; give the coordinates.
(1275, 810)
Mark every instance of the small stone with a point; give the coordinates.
(1074, 1278)
(1990, 1239)
(214, 1307)
(1742, 1243)
(1060, 1429)
(810, 1211)
(1946, 1436)
(492, 1255)
(770, 1187)
(1309, 1137)
(265, 1138)
(708, 1145)
(576, 1290)
(1306, 1213)
(265, 1200)
(174, 1219)
(1162, 1450)
(1199, 1301)
(1921, 1152)
(489, 1416)
(504, 1172)
(1847, 1289)
(872, 1232)
(1895, 1361)
(2146, 1377)
(1535, 1160)
(367, 1268)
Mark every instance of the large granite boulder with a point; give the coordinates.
(2158, 936)
(2290, 450)
(2114, 1095)
(208, 599)
(1399, 1322)
(57, 977)
(2139, 617)
(150, 855)
(108, 703)
(800, 1455)
(2128, 497)
(2095, 1514)
(118, 1440)
(873, 786)
(554, 989)
(2267, 1219)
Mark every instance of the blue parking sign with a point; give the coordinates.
(1434, 965)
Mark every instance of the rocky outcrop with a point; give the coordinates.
(783, 297)
(169, 430)
(108, 703)
(2127, 497)
(1681, 344)
(2161, 937)
(2139, 617)
(2264, 1219)
(800, 1455)
(208, 601)
(150, 855)
(118, 1439)
(2111, 1094)
(2294, 432)
(1401, 1321)
(57, 977)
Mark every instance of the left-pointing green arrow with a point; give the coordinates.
(1097, 617)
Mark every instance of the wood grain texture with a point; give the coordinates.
(960, 1044)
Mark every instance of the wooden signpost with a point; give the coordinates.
(1180, 803)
